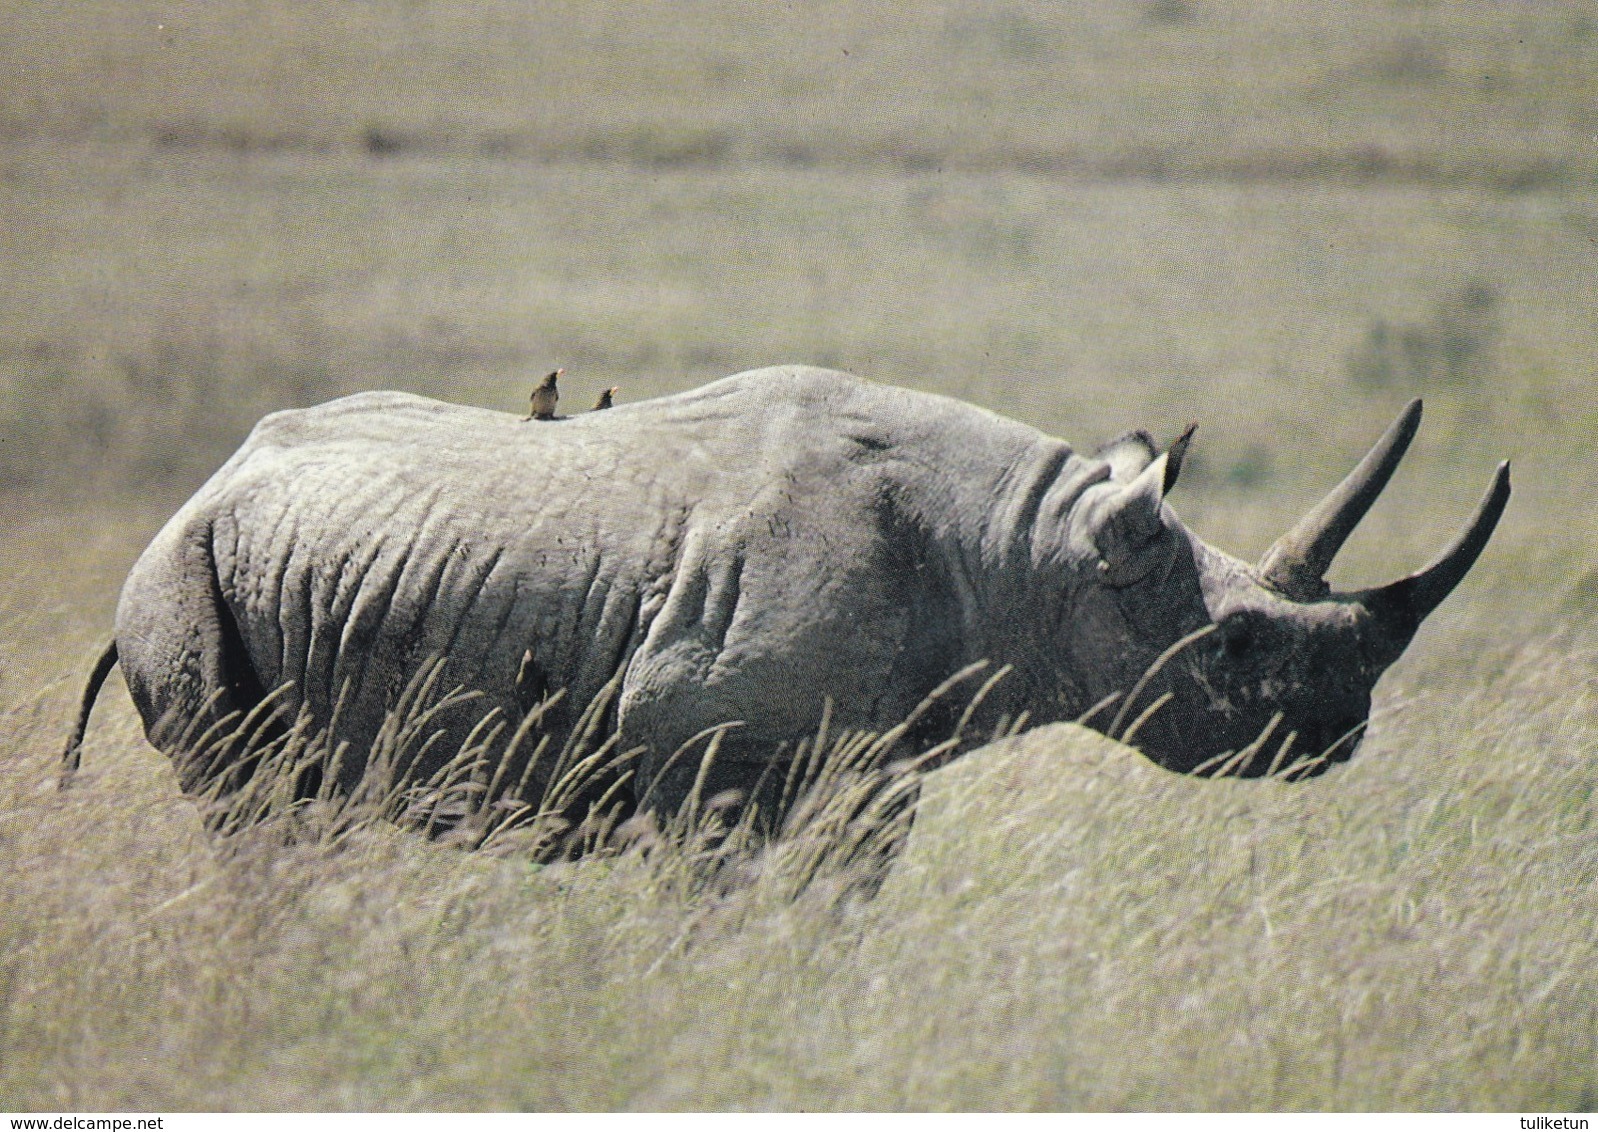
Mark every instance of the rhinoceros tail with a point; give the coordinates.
(73, 755)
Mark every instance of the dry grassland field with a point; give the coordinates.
(1282, 221)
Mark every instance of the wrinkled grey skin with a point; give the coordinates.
(745, 551)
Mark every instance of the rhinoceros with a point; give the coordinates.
(778, 545)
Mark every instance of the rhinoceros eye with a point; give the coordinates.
(1237, 636)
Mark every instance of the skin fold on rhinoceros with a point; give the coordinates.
(776, 545)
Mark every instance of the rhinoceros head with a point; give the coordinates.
(1225, 662)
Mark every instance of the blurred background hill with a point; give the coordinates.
(1282, 222)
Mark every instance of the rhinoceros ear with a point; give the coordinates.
(1128, 454)
(1126, 521)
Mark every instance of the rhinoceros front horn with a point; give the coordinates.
(1296, 563)
(1398, 609)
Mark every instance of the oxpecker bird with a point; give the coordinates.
(544, 399)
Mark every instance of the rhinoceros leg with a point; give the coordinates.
(183, 658)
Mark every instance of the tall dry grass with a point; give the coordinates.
(1067, 926)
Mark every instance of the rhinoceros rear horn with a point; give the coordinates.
(1398, 609)
(1296, 564)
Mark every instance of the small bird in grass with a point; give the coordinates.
(606, 399)
(542, 407)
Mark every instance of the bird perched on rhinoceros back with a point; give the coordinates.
(750, 551)
(541, 405)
